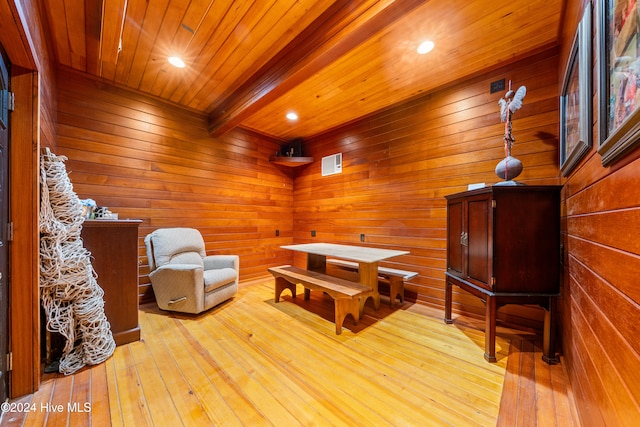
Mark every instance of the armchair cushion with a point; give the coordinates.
(220, 261)
(191, 258)
(214, 279)
(175, 245)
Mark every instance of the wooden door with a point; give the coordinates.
(4, 213)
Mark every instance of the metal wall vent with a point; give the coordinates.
(332, 165)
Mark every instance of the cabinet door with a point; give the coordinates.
(527, 236)
(455, 227)
(480, 242)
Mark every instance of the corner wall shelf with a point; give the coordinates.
(290, 161)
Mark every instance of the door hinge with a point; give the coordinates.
(493, 281)
(493, 204)
(11, 101)
(10, 232)
(9, 361)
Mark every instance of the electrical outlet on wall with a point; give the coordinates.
(313, 233)
(497, 86)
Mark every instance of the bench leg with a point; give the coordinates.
(346, 306)
(396, 288)
(362, 301)
(281, 285)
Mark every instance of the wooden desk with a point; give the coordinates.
(366, 257)
(114, 249)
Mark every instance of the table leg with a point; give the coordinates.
(368, 272)
(317, 263)
(490, 330)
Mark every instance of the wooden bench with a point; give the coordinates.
(394, 277)
(348, 297)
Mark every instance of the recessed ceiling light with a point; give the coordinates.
(292, 116)
(176, 62)
(425, 47)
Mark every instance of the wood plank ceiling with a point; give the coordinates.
(248, 63)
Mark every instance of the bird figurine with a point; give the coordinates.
(509, 167)
(511, 102)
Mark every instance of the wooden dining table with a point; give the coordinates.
(366, 257)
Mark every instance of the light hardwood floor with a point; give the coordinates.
(252, 362)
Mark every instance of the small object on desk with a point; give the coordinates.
(475, 186)
(103, 212)
(88, 206)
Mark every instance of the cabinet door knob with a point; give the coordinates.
(464, 239)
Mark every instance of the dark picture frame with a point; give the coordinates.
(575, 99)
(619, 78)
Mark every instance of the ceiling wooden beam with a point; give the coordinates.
(93, 29)
(15, 37)
(315, 48)
(113, 12)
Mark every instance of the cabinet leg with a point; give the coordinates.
(549, 336)
(447, 302)
(490, 330)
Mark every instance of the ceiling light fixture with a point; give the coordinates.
(176, 62)
(425, 47)
(292, 116)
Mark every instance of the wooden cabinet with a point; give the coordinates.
(503, 246)
(114, 250)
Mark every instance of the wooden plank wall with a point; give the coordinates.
(601, 297)
(145, 159)
(399, 164)
(17, 39)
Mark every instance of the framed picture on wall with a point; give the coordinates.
(575, 99)
(619, 73)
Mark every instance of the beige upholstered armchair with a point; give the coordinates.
(183, 277)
